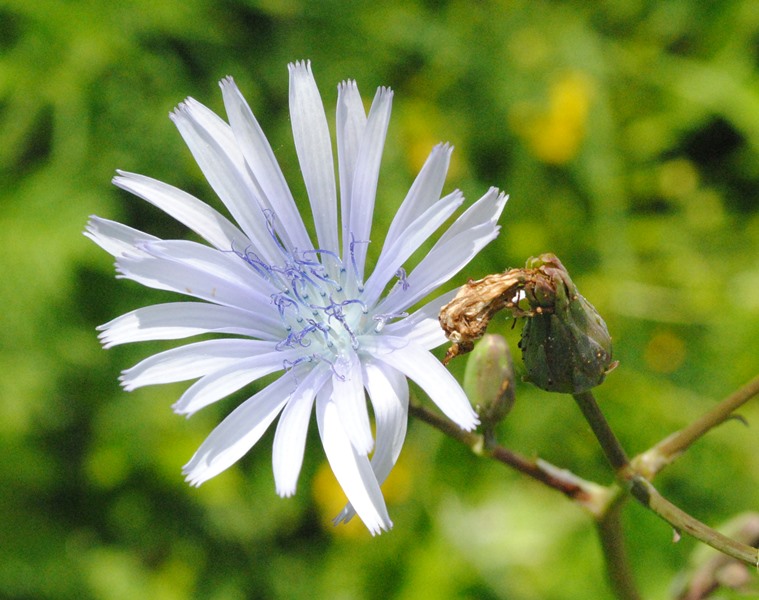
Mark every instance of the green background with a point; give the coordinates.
(626, 132)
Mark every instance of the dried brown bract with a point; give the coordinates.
(465, 318)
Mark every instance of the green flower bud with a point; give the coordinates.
(489, 380)
(565, 344)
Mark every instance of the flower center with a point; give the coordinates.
(317, 299)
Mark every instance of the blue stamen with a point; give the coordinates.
(352, 246)
(312, 281)
(271, 217)
(288, 342)
(331, 363)
(282, 301)
(253, 260)
(402, 279)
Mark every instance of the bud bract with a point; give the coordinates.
(565, 344)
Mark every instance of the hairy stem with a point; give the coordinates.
(605, 502)
(613, 450)
(610, 533)
(650, 462)
(585, 493)
(644, 491)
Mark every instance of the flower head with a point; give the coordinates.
(308, 310)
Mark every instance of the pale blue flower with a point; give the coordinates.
(308, 310)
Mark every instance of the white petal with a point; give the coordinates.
(388, 391)
(290, 437)
(116, 238)
(177, 320)
(224, 382)
(348, 396)
(464, 239)
(191, 361)
(314, 148)
(350, 124)
(423, 327)
(237, 434)
(353, 471)
(424, 192)
(184, 278)
(264, 168)
(486, 211)
(185, 208)
(365, 177)
(429, 373)
(215, 150)
(227, 265)
(393, 257)
(440, 264)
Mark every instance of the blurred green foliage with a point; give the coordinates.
(626, 132)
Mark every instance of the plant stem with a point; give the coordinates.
(605, 502)
(609, 528)
(609, 524)
(650, 462)
(602, 502)
(644, 491)
(585, 493)
(613, 450)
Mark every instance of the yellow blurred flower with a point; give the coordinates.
(553, 133)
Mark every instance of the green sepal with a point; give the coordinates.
(566, 346)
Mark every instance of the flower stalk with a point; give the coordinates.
(650, 462)
(611, 536)
(613, 450)
(645, 493)
(586, 493)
